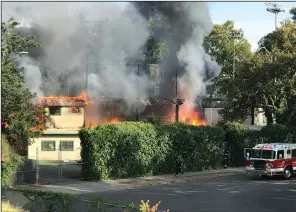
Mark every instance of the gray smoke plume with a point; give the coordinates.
(100, 38)
(189, 23)
(77, 39)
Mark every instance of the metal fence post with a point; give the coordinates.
(98, 206)
(37, 166)
(60, 170)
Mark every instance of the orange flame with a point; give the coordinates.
(188, 115)
(81, 97)
(114, 120)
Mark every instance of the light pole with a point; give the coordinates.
(234, 36)
(276, 9)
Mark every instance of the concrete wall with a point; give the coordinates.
(67, 119)
(212, 117)
(35, 151)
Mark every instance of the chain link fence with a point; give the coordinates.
(34, 170)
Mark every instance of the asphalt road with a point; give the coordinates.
(226, 194)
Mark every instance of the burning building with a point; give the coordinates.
(83, 49)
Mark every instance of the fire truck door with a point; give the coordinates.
(247, 153)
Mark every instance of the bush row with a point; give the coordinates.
(130, 149)
(10, 162)
(40, 200)
(238, 136)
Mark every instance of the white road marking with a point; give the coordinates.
(233, 192)
(280, 198)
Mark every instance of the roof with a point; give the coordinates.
(61, 102)
(147, 102)
(275, 145)
(164, 101)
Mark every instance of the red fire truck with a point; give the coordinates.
(274, 159)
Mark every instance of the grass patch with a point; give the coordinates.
(7, 207)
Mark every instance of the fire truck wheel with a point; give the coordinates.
(287, 173)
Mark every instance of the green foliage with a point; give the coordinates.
(5, 149)
(293, 13)
(225, 44)
(19, 114)
(129, 149)
(267, 80)
(278, 134)
(41, 200)
(235, 136)
(9, 168)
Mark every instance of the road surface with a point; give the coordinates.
(225, 194)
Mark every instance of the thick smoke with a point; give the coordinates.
(78, 39)
(189, 23)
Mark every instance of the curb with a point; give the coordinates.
(181, 180)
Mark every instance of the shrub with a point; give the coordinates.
(5, 150)
(145, 207)
(40, 200)
(11, 162)
(9, 168)
(129, 149)
(278, 134)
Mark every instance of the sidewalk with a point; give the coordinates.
(83, 187)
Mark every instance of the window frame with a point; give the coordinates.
(293, 153)
(278, 154)
(49, 141)
(59, 109)
(66, 150)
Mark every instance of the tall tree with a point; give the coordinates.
(20, 117)
(268, 80)
(293, 13)
(229, 48)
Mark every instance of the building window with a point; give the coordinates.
(293, 153)
(280, 152)
(67, 145)
(55, 110)
(48, 146)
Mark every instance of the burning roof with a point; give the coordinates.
(64, 101)
(81, 101)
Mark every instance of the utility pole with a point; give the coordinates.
(233, 67)
(276, 9)
(177, 104)
(138, 110)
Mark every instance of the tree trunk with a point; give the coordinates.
(269, 117)
(252, 116)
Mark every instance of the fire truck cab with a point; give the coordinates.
(273, 159)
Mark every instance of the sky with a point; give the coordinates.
(251, 17)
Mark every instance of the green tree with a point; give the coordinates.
(229, 48)
(267, 80)
(20, 116)
(282, 39)
(293, 13)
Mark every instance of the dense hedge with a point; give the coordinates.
(130, 149)
(10, 161)
(136, 149)
(238, 136)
